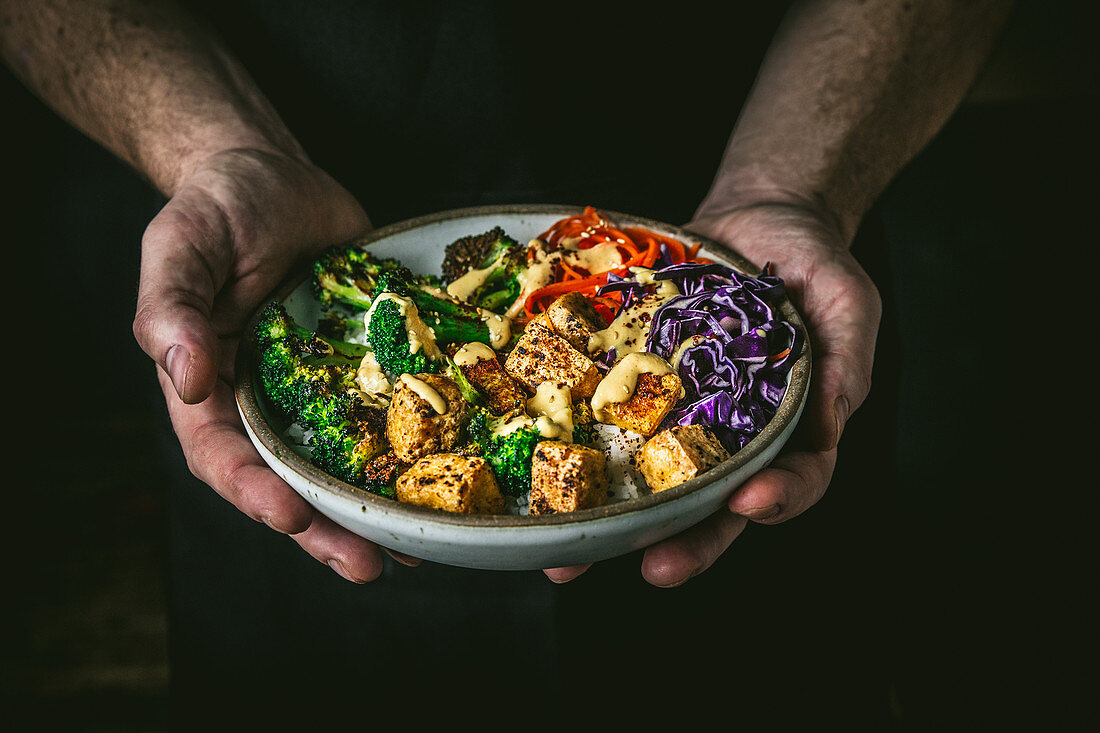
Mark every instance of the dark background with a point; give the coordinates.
(942, 583)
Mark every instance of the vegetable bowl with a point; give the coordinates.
(638, 508)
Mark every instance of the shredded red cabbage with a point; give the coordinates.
(735, 352)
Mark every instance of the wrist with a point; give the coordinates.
(749, 191)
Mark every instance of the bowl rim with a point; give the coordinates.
(255, 415)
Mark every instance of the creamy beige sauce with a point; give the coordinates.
(500, 328)
(601, 258)
(510, 426)
(618, 385)
(552, 409)
(472, 353)
(464, 286)
(686, 344)
(627, 334)
(421, 336)
(538, 274)
(426, 392)
(371, 379)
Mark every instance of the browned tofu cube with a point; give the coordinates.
(566, 477)
(542, 356)
(453, 483)
(678, 454)
(573, 317)
(653, 398)
(502, 392)
(415, 426)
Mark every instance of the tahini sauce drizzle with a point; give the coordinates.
(500, 327)
(472, 353)
(618, 385)
(628, 332)
(552, 410)
(425, 392)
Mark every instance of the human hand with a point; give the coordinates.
(228, 236)
(842, 309)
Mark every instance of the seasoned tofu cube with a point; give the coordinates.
(453, 483)
(653, 398)
(573, 317)
(540, 356)
(502, 392)
(678, 454)
(424, 416)
(566, 477)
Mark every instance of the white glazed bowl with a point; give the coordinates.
(508, 542)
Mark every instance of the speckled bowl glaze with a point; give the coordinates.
(508, 542)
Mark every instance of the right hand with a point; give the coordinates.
(232, 231)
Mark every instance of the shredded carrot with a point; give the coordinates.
(638, 247)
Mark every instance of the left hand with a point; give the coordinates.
(841, 308)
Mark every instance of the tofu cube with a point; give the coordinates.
(502, 392)
(566, 477)
(653, 398)
(453, 483)
(573, 317)
(414, 427)
(678, 454)
(540, 356)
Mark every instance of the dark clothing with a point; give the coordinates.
(888, 602)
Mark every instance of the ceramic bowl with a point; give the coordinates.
(508, 542)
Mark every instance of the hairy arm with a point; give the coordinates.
(245, 206)
(848, 92)
(143, 79)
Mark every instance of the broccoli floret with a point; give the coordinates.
(349, 275)
(496, 250)
(348, 435)
(388, 334)
(296, 365)
(509, 454)
(450, 322)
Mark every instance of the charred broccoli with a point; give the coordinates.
(347, 436)
(407, 325)
(348, 275)
(503, 257)
(296, 365)
(508, 453)
(311, 381)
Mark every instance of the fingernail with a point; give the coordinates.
(342, 571)
(178, 363)
(761, 512)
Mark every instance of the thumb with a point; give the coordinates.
(176, 289)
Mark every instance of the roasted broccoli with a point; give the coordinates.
(296, 365)
(503, 257)
(388, 334)
(408, 325)
(311, 381)
(347, 436)
(508, 453)
(346, 274)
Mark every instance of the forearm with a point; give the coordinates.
(848, 93)
(143, 79)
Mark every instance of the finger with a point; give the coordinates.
(219, 453)
(792, 484)
(676, 560)
(349, 555)
(567, 573)
(178, 280)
